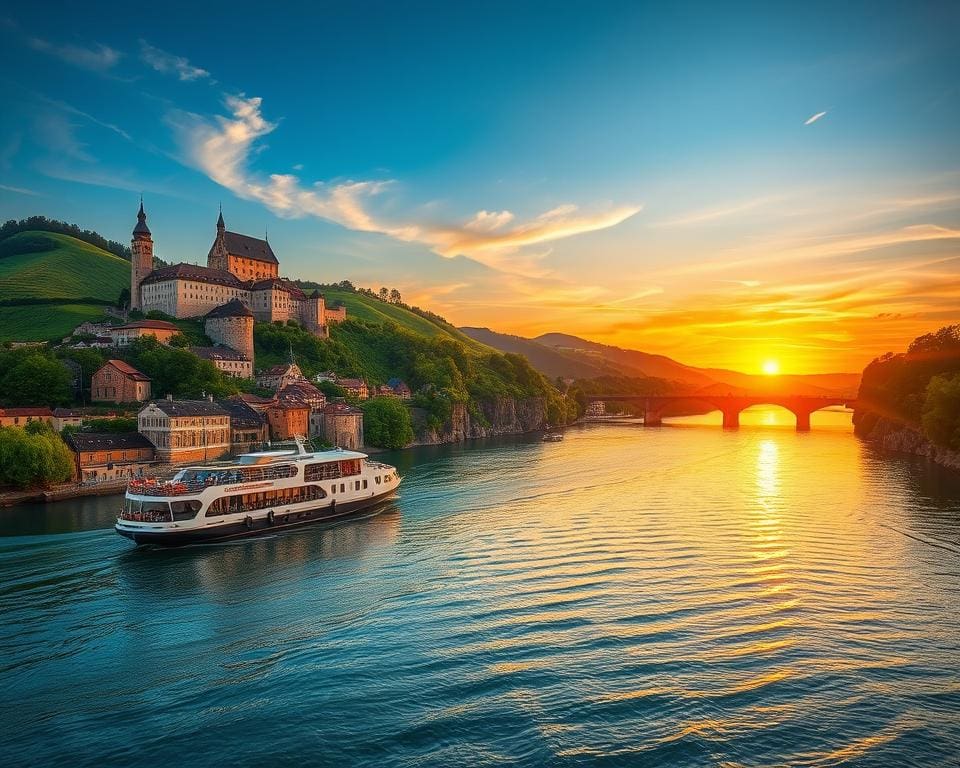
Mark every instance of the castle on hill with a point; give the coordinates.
(240, 284)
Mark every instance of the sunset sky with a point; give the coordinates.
(725, 186)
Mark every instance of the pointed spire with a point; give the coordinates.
(292, 359)
(220, 225)
(141, 228)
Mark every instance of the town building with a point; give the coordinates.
(119, 382)
(186, 430)
(280, 376)
(304, 392)
(288, 419)
(330, 376)
(395, 388)
(161, 330)
(20, 417)
(355, 388)
(238, 267)
(110, 456)
(340, 424)
(66, 417)
(228, 360)
(248, 426)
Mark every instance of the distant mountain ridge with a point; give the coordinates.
(568, 356)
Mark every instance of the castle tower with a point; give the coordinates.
(231, 324)
(141, 257)
(312, 314)
(217, 257)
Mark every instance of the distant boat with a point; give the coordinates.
(552, 437)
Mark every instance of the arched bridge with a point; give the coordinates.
(730, 405)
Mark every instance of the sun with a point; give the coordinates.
(770, 367)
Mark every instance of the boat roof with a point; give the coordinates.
(272, 457)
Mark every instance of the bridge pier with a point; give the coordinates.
(803, 420)
(731, 418)
(652, 417)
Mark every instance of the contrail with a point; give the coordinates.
(815, 117)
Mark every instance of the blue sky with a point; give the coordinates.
(637, 174)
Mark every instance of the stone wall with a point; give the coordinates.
(900, 437)
(503, 416)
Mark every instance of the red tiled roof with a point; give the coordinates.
(126, 369)
(193, 272)
(340, 408)
(160, 325)
(25, 412)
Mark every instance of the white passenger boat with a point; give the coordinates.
(257, 492)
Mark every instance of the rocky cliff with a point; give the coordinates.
(901, 437)
(503, 416)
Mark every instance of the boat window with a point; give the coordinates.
(364, 483)
(326, 471)
(333, 488)
(341, 488)
(356, 486)
(185, 510)
(377, 479)
(155, 512)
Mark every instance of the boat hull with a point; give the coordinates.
(239, 529)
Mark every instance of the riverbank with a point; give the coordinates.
(61, 492)
(902, 437)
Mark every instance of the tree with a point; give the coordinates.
(941, 411)
(387, 423)
(33, 377)
(33, 456)
(394, 296)
(123, 300)
(384, 294)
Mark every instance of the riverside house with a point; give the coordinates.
(20, 417)
(110, 456)
(184, 431)
(119, 382)
(248, 427)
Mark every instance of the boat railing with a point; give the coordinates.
(202, 480)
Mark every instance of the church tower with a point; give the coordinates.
(217, 258)
(141, 257)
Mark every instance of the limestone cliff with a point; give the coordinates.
(901, 437)
(502, 416)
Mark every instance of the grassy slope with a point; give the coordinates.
(360, 307)
(70, 270)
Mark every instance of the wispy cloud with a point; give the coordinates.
(169, 63)
(222, 147)
(70, 109)
(99, 58)
(19, 190)
(56, 133)
(813, 118)
(721, 212)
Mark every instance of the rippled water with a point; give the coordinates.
(675, 596)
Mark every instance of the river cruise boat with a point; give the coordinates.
(256, 493)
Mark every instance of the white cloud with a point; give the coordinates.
(169, 63)
(100, 58)
(813, 118)
(221, 148)
(713, 214)
(18, 190)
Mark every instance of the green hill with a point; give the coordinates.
(369, 309)
(73, 279)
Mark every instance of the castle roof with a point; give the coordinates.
(218, 353)
(233, 308)
(249, 247)
(193, 272)
(278, 283)
(141, 227)
(28, 411)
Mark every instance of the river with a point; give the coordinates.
(683, 596)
